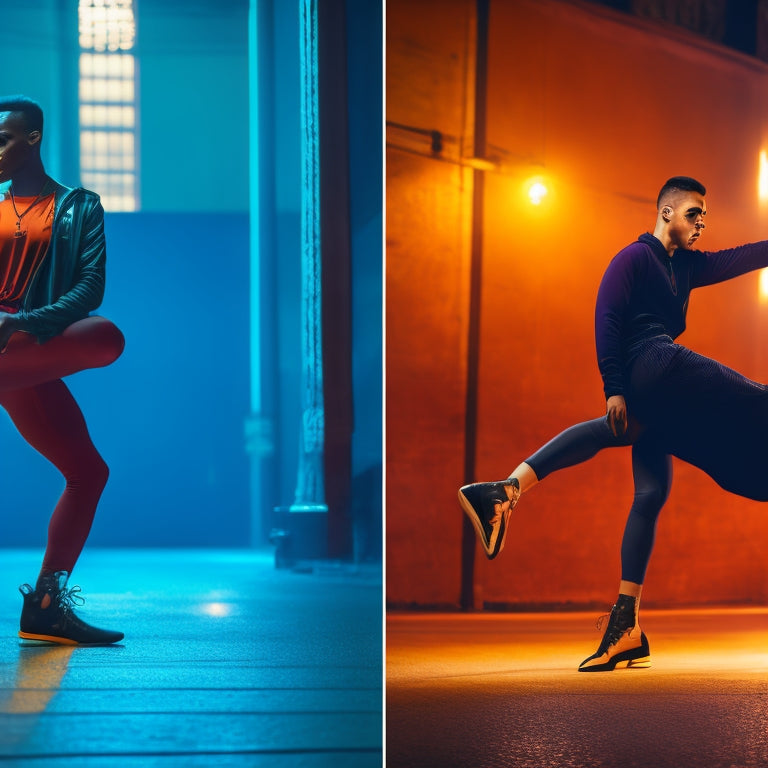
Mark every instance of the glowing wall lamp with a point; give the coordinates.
(762, 194)
(537, 191)
(764, 285)
(762, 177)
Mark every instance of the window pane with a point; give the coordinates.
(108, 121)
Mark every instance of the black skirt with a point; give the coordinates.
(702, 412)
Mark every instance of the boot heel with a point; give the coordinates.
(641, 663)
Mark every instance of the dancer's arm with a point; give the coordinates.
(711, 267)
(613, 299)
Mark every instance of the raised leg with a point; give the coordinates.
(89, 343)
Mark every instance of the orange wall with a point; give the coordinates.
(428, 229)
(606, 107)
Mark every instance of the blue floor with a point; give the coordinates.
(226, 662)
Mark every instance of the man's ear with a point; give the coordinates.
(33, 137)
(666, 213)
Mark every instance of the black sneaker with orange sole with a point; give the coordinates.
(48, 615)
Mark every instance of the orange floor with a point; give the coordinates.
(485, 689)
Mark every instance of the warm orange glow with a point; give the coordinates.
(38, 677)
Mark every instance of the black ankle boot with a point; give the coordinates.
(624, 644)
(48, 614)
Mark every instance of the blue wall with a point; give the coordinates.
(193, 95)
(168, 415)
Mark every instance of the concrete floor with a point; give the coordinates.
(226, 662)
(483, 690)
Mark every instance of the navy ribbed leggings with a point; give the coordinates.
(48, 418)
(651, 470)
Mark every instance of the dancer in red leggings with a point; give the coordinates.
(52, 259)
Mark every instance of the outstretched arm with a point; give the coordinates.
(711, 267)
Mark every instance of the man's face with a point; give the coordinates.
(686, 219)
(16, 144)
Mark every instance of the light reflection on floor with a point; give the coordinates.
(502, 689)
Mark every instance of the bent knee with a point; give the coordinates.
(88, 472)
(97, 471)
(107, 341)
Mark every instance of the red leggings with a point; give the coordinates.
(48, 418)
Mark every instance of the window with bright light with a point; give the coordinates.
(108, 119)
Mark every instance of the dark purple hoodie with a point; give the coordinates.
(644, 293)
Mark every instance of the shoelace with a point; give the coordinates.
(498, 503)
(498, 510)
(612, 634)
(515, 495)
(501, 501)
(69, 598)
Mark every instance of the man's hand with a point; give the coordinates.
(616, 407)
(8, 326)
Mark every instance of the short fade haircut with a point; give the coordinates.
(680, 184)
(31, 111)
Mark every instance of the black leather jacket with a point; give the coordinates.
(69, 283)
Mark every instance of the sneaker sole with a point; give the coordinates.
(28, 638)
(32, 639)
(641, 663)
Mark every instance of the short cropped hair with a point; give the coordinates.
(680, 184)
(29, 109)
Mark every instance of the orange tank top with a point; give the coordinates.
(24, 241)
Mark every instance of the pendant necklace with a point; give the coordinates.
(19, 216)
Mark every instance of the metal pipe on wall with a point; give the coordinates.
(468, 539)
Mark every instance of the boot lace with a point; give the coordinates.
(497, 511)
(499, 502)
(516, 493)
(613, 632)
(69, 598)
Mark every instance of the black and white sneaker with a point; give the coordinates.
(488, 506)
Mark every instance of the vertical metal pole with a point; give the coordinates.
(336, 273)
(310, 491)
(468, 541)
(259, 425)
